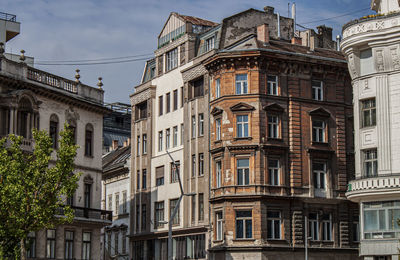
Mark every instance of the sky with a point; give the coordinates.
(60, 30)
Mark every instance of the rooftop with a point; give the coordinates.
(8, 17)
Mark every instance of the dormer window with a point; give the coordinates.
(209, 44)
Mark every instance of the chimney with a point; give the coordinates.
(269, 9)
(263, 33)
(114, 144)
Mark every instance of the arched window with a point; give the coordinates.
(25, 113)
(53, 130)
(89, 140)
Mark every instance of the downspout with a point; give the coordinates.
(279, 26)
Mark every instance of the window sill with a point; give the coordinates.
(320, 143)
(244, 239)
(276, 139)
(242, 138)
(276, 240)
(218, 141)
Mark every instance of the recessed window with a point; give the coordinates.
(318, 131)
(54, 130)
(117, 203)
(159, 214)
(69, 245)
(138, 145)
(172, 204)
(219, 225)
(193, 126)
(160, 105)
(319, 174)
(168, 98)
(175, 136)
(86, 245)
(243, 172)
(201, 124)
(273, 172)
(51, 243)
(244, 224)
(218, 177)
(174, 172)
(160, 176)
(167, 138)
(201, 164)
(313, 226)
(317, 90)
(182, 97)
(193, 165)
(366, 62)
(144, 149)
(217, 88)
(272, 85)
(141, 111)
(368, 110)
(144, 216)
(160, 141)
(209, 44)
(144, 179)
(138, 179)
(198, 88)
(89, 140)
(31, 245)
(273, 126)
(326, 227)
(370, 163)
(175, 99)
(218, 129)
(124, 200)
(172, 59)
(182, 133)
(201, 206)
(241, 84)
(193, 217)
(273, 225)
(242, 126)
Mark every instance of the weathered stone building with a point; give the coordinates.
(371, 45)
(31, 98)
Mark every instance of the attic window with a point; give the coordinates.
(209, 44)
(172, 59)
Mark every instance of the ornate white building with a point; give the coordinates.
(372, 47)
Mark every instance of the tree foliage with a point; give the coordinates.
(34, 186)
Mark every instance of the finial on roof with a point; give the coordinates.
(22, 56)
(100, 84)
(77, 76)
(1, 49)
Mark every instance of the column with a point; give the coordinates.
(12, 119)
(28, 126)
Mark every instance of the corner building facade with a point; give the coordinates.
(280, 145)
(371, 46)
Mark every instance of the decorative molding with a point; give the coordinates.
(320, 112)
(394, 54)
(352, 66)
(274, 107)
(216, 111)
(241, 107)
(379, 60)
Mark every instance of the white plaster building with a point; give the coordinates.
(372, 47)
(116, 194)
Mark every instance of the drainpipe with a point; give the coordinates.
(279, 26)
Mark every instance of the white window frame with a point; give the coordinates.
(271, 223)
(317, 87)
(167, 138)
(313, 226)
(194, 126)
(243, 171)
(175, 136)
(218, 173)
(219, 225)
(274, 172)
(242, 123)
(218, 129)
(160, 141)
(182, 133)
(244, 220)
(218, 88)
(327, 228)
(373, 161)
(241, 85)
(201, 124)
(172, 59)
(272, 85)
(144, 143)
(209, 43)
(273, 126)
(318, 132)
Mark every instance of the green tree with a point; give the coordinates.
(34, 187)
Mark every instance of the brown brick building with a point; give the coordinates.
(281, 148)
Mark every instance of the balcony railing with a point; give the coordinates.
(89, 213)
(8, 17)
(52, 80)
(374, 183)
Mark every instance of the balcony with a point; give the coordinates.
(8, 17)
(90, 214)
(377, 187)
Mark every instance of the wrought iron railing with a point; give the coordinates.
(8, 17)
(89, 213)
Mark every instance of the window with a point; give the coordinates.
(273, 225)
(160, 105)
(160, 141)
(182, 133)
(31, 245)
(110, 202)
(218, 176)
(89, 140)
(273, 126)
(51, 244)
(137, 218)
(141, 111)
(272, 85)
(167, 138)
(144, 149)
(201, 124)
(201, 164)
(172, 59)
(117, 204)
(193, 208)
(326, 227)
(160, 176)
(182, 97)
(273, 172)
(69, 245)
(86, 246)
(366, 62)
(124, 241)
(243, 177)
(313, 226)
(244, 225)
(218, 128)
(138, 180)
(368, 110)
(193, 126)
(124, 202)
(318, 131)
(241, 84)
(356, 231)
(54, 130)
(88, 188)
(175, 99)
(193, 165)
(201, 206)
(159, 213)
(144, 216)
(380, 219)
(242, 126)
(198, 88)
(217, 88)
(172, 204)
(175, 136)
(370, 163)
(116, 243)
(317, 90)
(109, 242)
(319, 170)
(209, 44)
(144, 179)
(138, 145)
(219, 225)
(168, 97)
(174, 172)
